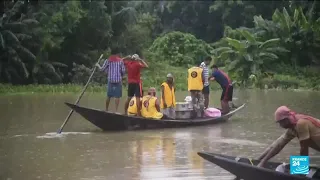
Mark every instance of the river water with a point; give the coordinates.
(30, 149)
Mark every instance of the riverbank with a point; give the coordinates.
(7, 89)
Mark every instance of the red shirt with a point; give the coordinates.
(133, 69)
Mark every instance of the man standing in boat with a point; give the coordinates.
(206, 88)
(195, 86)
(134, 66)
(168, 99)
(227, 88)
(115, 70)
(150, 105)
(304, 127)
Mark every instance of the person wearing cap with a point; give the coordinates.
(195, 87)
(134, 66)
(206, 88)
(304, 127)
(150, 105)
(168, 98)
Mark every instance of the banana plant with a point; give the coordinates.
(248, 56)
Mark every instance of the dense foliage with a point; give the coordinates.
(259, 42)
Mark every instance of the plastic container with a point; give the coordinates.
(212, 112)
(182, 106)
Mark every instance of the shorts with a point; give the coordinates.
(169, 112)
(134, 89)
(206, 90)
(114, 90)
(227, 93)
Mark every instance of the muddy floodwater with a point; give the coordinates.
(30, 149)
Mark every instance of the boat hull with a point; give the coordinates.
(246, 169)
(112, 122)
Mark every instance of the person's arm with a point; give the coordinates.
(126, 58)
(163, 97)
(203, 78)
(123, 69)
(100, 67)
(276, 147)
(303, 132)
(143, 63)
(157, 105)
(212, 77)
(105, 65)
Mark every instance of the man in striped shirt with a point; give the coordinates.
(206, 88)
(115, 70)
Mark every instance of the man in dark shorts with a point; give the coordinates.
(227, 89)
(134, 66)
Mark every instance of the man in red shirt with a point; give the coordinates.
(134, 66)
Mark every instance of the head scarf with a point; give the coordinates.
(284, 112)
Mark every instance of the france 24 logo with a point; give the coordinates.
(299, 164)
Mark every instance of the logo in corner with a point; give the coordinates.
(194, 74)
(299, 164)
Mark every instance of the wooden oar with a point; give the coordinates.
(84, 89)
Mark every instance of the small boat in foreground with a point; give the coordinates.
(111, 121)
(245, 168)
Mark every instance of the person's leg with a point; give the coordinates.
(224, 101)
(206, 91)
(138, 94)
(172, 112)
(230, 97)
(201, 103)
(194, 103)
(109, 95)
(165, 112)
(107, 103)
(130, 95)
(118, 94)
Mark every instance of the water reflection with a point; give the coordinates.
(164, 157)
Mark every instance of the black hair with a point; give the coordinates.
(115, 50)
(214, 66)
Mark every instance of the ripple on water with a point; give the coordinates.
(238, 142)
(63, 134)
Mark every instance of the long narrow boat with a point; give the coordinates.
(110, 121)
(245, 168)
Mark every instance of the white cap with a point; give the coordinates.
(135, 56)
(169, 75)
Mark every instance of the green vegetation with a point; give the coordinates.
(261, 44)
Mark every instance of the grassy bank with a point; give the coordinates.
(7, 89)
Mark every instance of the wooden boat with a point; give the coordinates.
(246, 169)
(111, 121)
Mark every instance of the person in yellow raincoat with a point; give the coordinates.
(150, 105)
(168, 99)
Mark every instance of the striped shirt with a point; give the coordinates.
(114, 70)
(206, 73)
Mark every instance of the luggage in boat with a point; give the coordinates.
(183, 106)
(212, 112)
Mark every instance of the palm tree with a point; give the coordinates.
(15, 57)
